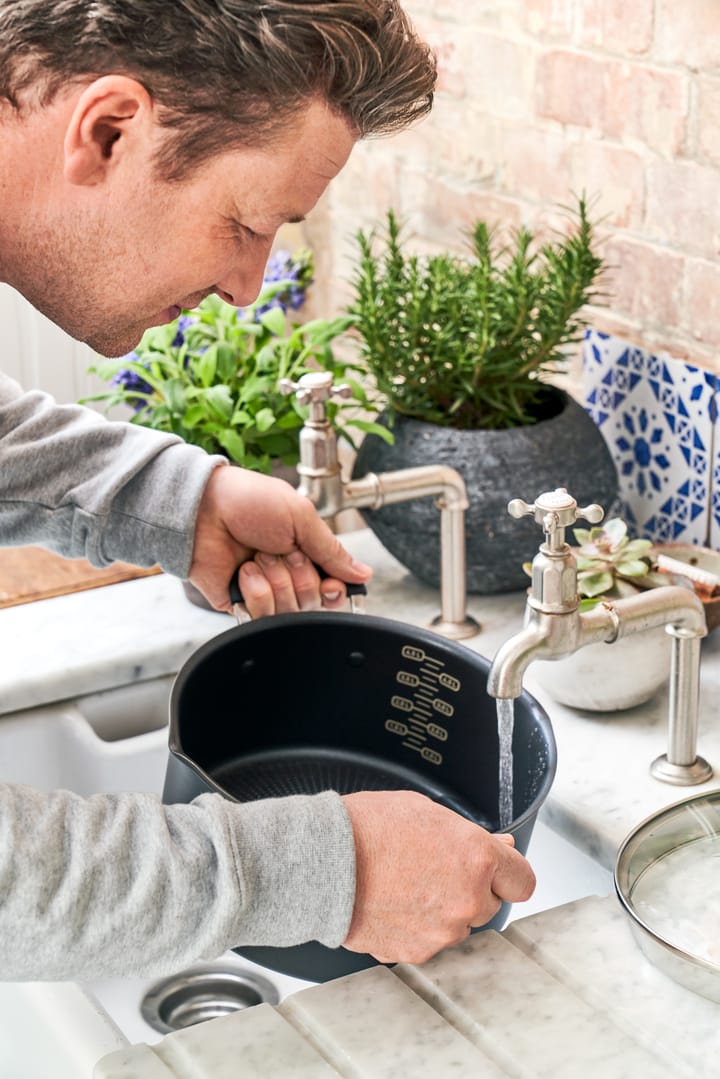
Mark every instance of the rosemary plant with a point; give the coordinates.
(469, 342)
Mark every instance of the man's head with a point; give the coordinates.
(149, 151)
(223, 73)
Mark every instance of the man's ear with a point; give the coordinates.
(112, 115)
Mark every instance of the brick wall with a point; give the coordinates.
(543, 98)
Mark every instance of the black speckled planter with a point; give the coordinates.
(566, 450)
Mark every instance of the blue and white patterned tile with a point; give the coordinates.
(657, 415)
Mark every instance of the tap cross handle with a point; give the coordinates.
(314, 389)
(555, 511)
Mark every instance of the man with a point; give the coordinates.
(148, 154)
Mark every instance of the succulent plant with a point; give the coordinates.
(610, 565)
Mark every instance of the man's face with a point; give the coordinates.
(133, 253)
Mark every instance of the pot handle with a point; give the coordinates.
(355, 594)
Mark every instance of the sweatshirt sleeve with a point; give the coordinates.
(122, 885)
(85, 487)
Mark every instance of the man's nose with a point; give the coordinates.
(242, 284)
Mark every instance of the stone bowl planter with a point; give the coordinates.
(564, 449)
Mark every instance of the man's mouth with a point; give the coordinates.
(166, 316)
(176, 309)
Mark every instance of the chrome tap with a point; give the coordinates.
(321, 481)
(554, 627)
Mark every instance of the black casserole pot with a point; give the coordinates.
(307, 702)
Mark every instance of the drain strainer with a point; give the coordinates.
(201, 993)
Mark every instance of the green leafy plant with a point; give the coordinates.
(468, 342)
(610, 565)
(212, 376)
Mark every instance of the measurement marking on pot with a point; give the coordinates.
(430, 755)
(430, 673)
(424, 703)
(401, 703)
(423, 710)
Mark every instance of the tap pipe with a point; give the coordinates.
(682, 765)
(670, 605)
(384, 488)
(323, 485)
(381, 489)
(680, 610)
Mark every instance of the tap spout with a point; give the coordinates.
(548, 636)
(505, 678)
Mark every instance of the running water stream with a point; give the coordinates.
(506, 722)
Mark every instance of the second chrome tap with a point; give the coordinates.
(555, 627)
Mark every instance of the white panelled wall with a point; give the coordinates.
(39, 355)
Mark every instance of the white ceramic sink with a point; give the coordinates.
(53, 1031)
(117, 741)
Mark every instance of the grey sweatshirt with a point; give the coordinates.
(120, 884)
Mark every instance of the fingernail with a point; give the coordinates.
(249, 569)
(331, 596)
(296, 559)
(361, 567)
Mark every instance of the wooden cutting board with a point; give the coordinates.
(30, 573)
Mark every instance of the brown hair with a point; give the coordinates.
(224, 72)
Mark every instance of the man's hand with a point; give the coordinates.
(274, 534)
(425, 876)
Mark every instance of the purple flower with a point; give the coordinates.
(130, 381)
(182, 324)
(282, 266)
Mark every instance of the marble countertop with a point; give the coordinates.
(556, 995)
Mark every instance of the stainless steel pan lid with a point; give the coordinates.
(667, 878)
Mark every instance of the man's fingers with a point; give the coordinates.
(256, 591)
(305, 581)
(280, 580)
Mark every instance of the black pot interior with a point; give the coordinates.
(310, 702)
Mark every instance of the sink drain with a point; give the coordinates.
(201, 993)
